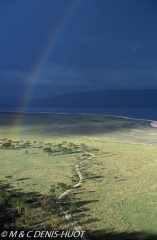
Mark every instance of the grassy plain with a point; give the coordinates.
(117, 199)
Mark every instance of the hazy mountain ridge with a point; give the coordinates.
(104, 98)
(97, 99)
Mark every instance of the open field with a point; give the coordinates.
(118, 199)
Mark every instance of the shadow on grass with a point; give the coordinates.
(95, 177)
(14, 204)
(82, 203)
(21, 179)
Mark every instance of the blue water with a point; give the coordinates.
(139, 113)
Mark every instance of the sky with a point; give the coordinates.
(51, 47)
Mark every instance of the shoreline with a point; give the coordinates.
(86, 114)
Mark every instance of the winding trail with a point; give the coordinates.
(62, 195)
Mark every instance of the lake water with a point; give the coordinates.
(139, 113)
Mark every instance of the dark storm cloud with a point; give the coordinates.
(25, 27)
(105, 43)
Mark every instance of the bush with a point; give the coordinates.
(47, 149)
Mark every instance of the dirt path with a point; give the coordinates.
(62, 195)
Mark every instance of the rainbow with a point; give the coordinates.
(48, 50)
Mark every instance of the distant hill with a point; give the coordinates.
(104, 98)
(94, 99)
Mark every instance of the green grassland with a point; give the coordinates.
(118, 199)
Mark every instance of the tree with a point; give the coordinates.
(84, 147)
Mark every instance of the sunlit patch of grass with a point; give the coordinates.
(119, 189)
(116, 179)
(141, 210)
